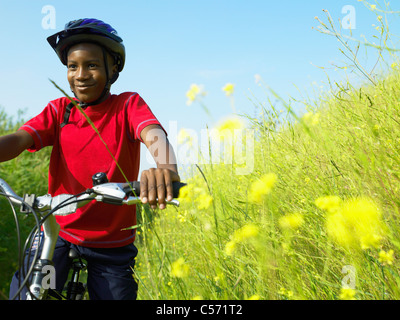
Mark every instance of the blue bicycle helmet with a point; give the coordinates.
(88, 30)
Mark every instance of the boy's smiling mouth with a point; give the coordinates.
(82, 87)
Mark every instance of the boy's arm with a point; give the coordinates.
(13, 144)
(157, 183)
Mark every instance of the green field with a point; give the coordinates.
(317, 218)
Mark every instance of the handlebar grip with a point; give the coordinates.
(135, 186)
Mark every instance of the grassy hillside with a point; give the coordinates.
(317, 218)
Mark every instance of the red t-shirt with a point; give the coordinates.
(78, 153)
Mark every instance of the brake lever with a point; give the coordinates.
(112, 193)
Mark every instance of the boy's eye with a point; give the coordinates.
(71, 66)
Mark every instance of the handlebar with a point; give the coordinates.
(10, 193)
(102, 191)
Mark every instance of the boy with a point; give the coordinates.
(94, 55)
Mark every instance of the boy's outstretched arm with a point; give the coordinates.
(156, 183)
(13, 144)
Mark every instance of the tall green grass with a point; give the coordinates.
(327, 228)
(347, 148)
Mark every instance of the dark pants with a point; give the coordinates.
(110, 271)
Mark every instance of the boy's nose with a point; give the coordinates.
(81, 74)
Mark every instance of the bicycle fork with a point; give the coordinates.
(76, 289)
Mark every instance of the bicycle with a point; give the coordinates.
(46, 231)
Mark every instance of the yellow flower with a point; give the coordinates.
(179, 268)
(246, 232)
(254, 297)
(311, 118)
(204, 201)
(198, 196)
(185, 192)
(386, 257)
(368, 241)
(328, 203)
(182, 217)
(291, 221)
(231, 123)
(356, 224)
(347, 294)
(282, 291)
(286, 293)
(230, 247)
(229, 89)
(373, 6)
(184, 137)
(228, 133)
(261, 187)
(243, 234)
(192, 94)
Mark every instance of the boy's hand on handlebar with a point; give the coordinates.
(157, 184)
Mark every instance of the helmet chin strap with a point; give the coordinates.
(107, 87)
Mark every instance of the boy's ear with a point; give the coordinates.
(115, 74)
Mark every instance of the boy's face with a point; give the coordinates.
(86, 71)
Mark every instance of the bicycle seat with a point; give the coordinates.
(73, 254)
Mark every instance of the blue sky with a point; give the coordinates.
(174, 43)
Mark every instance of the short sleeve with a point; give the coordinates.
(139, 116)
(43, 127)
